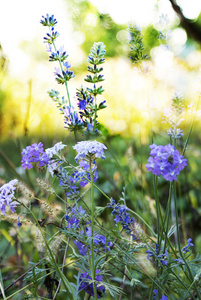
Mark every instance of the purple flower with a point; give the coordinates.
(121, 215)
(155, 292)
(82, 104)
(190, 244)
(86, 284)
(162, 257)
(100, 242)
(165, 161)
(34, 153)
(7, 196)
(71, 117)
(75, 215)
(19, 224)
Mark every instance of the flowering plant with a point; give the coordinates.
(120, 261)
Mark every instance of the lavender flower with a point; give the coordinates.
(34, 153)
(68, 182)
(71, 118)
(19, 224)
(48, 20)
(121, 215)
(75, 215)
(86, 284)
(190, 244)
(100, 242)
(165, 161)
(162, 257)
(155, 292)
(7, 196)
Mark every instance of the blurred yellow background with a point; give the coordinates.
(136, 95)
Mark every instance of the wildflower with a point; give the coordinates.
(156, 295)
(67, 181)
(73, 218)
(48, 20)
(55, 149)
(121, 215)
(7, 196)
(71, 118)
(65, 74)
(19, 224)
(162, 257)
(87, 285)
(100, 242)
(34, 153)
(165, 161)
(89, 148)
(190, 244)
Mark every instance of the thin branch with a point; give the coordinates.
(192, 28)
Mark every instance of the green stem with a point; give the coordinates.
(93, 269)
(65, 281)
(167, 216)
(157, 210)
(179, 244)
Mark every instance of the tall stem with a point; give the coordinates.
(179, 245)
(65, 281)
(93, 269)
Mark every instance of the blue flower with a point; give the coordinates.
(71, 117)
(121, 215)
(75, 215)
(155, 292)
(100, 242)
(48, 20)
(87, 285)
(162, 257)
(19, 224)
(190, 244)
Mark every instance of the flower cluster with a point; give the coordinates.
(74, 217)
(7, 196)
(162, 257)
(83, 175)
(34, 153)
(63, 74)
(100, 242)
(165, 161)
(86, 149)
(68, 182)
(156, 295)
(121, 215)
(51, 152)
(86, 284)
(87, 117)
(190, 244)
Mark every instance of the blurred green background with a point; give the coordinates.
(136, 97)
